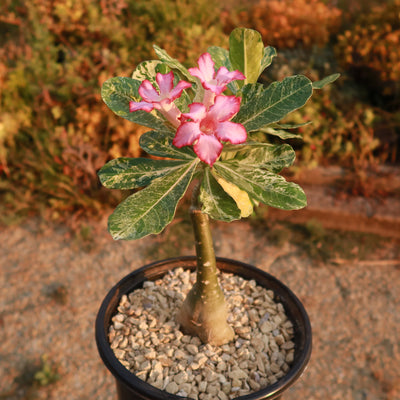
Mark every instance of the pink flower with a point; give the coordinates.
(207, 128)
(162, 100)
(214, 81)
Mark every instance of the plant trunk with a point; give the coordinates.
(204, 312)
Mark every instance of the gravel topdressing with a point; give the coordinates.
(146, 339)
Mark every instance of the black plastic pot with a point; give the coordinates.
(129, 387)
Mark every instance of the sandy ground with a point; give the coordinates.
(52, 283)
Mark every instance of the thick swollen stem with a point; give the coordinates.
(204, 311)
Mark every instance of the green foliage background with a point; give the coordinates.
(55, 132)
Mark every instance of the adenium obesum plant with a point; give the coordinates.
(204, 124)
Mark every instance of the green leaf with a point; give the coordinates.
(151, 209)
(118, 92)
(278, 130)
(248, 146)
(262, 185)
(173, 63)
(275, 102)
(147, 70)
(290, 126)
(251, 91)
(326, 81)
(281, 134)
(269, 54)
(220, 56)
(246, 52)
(215, 201)
(160, 144)
(273, 157)
(130, 173)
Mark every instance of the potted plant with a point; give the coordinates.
(206, 123)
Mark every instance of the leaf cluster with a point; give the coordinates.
(252, 168)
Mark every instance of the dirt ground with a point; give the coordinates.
(53, 280)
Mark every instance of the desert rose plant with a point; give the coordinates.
(204, 123)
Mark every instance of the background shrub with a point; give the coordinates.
(290, 23)
(369, 50)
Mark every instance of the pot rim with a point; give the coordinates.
(141, 274)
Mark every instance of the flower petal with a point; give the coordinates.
(148, 92)
(142, 105)
(231, 132)
(196, 73)
(197, 112)
(224, 76)
(165, 83)
(186, 134)
(212, 87)
(208, 149)
(206, 71)
(178, 89)
(224, 107)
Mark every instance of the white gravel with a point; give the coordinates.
(147, 340)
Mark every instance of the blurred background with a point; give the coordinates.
(55, 131)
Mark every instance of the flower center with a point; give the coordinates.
(208, 125)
